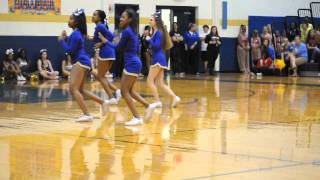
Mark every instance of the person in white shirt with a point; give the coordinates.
(204, 46)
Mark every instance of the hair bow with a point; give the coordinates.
(9, 51)
(157, 14)
(43, 50)
(78, 12)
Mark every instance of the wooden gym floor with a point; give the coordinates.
(227, 127)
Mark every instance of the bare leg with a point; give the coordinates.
(89, 94)
(148, 60)
(47, 76)
(102, 69)
(111, 85)
(127, 83)
(162, 84)
(76, 79)
(293, 65)
(138, 98)
(153, 73)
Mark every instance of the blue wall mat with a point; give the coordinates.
(257, 22)
(33, 44)
(228, 55)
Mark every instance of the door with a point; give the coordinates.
(183, 15)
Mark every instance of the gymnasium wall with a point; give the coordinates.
(36, 32)
(13, 27)
(258, 11)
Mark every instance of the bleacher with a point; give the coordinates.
(282, 24)
(309, 69)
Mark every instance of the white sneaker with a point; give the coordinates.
(23, 78)
(134, 122)
(118, 94)
(19, 78)
(85, 118)
(149, 111)
(176, 100)
(112, 101)
(156, 104)
(104, 107)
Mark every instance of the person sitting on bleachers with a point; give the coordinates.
(23, 63)
(278, 40)
(45, 67)
(299, 55)
(287, 48)
(265, 34)
(293, 31)
(265, 62)
(11, 70)
(305, 28)
(311, 44)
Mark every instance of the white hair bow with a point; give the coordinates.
(78, 12)
(157, 14)
(9, 51)
(43, 50)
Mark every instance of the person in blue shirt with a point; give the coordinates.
(74, 46)
(106, 55)
(191, 39)
(159, 44)
(129, 46)
(271, 52)
(299, 56)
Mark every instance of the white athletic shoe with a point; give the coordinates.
(118, 94)
(112, 101)
(149, 111)
(156, 104)
(85, 118)
(176, 100)
(134, 122)
(104, 107)
(21, 78)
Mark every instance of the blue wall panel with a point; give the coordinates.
(33, 44)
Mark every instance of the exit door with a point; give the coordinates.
(183, 15)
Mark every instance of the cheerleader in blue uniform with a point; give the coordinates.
(74, 46)
(106, 55)
(159, 44)
(129, 46)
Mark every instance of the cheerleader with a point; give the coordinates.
(159, 42)
(106, 55)
(129, 46)
(74, 46)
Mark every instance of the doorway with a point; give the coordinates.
(183, 15)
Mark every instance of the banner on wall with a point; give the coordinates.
(35, 7)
